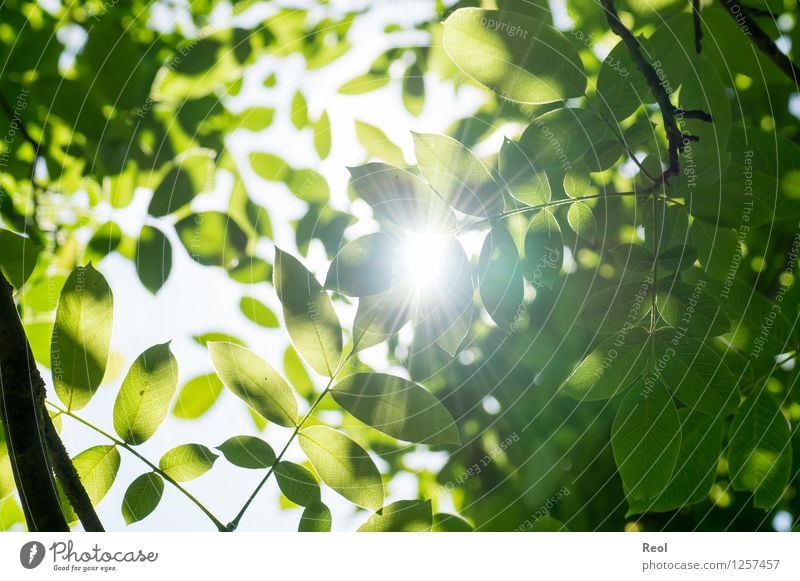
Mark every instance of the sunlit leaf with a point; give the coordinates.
(308, 311)
(142, 497)
(143, 400)
(197, 396)
(403, 516)
(500, 276)
(247, 452)
(258, 312)
(364, 266)
(316, 519)
(401, 198)
(187, 462)
(343, 465)
(255, 382)
(97, 468)
(297, 483)
(519, 57)
(457, 175)
(81, 336)
(398, 407)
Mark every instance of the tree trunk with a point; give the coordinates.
(22, 394)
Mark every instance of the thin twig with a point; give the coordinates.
(122, 444)
(698, 27)
(749, 27)
(675, 137)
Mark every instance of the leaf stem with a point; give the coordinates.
(121, 443)
(234, 524)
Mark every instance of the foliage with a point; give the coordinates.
(625, 330)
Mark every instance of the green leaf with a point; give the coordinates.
(677, 258)
(633, 257)
(81, 336)
(500, 275)
(397, 407)
(97, 468)
(378, 145)
(414, 89)
(558, 138)
(269, 166)
(309, 314)
(192, 173)
(611, 309)
(258, 313)
(197, 396)
(364, 266)
(18, 257)
(255, 119)
(717, 248)
(297, 483)
(646, 439)
(691, 310)
(544, 250)
(251, 270)
(207, 338)
(343, 465)
(187, 462)
(212, 239)
(696, 374)
(364, 84)
(611, 368)
(521, 58)
(104, 240)
(153, 258)
(581, 219)
(299, 113)
(401, 198)
(7, 483)
(380, 316)
(142, 497)
(760, 450)
(621, 87)
(322, 135)
(577, 182)
(526, 183)
(296, 373)
(457, 175)
(143, 400)
(695, 469)
(403, 516)
(255, 382)
(449, 523)
(247, 452)
(316, 519)
(309, 185)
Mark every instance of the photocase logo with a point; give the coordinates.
(31, 554)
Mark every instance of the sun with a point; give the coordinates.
(422, 260)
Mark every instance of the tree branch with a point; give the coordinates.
(742, 16)
(69, 479)
(22, 394)
(698, 27)
(670, 115)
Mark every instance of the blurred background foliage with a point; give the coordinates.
(125, 125)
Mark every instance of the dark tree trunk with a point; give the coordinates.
(22, 393)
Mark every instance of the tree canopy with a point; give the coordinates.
(485, 265)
